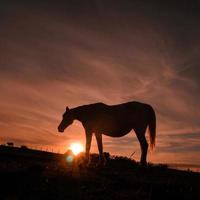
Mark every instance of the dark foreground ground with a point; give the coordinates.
(28, 174)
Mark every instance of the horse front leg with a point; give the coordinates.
(87, 146)
(100, 147)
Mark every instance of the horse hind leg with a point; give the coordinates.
(140, 133)
(100, 147)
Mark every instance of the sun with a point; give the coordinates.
(76, 148)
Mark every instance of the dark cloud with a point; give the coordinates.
(186, 135)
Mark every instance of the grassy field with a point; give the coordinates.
(28, 174)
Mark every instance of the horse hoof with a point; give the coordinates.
(143, 165)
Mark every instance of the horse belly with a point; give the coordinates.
(117, 133)
(112, 124)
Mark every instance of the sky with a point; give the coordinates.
(56, 54)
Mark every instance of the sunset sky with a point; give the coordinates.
(55, 54)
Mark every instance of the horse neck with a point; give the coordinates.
(77, 113)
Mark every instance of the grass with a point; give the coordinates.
(28, 174)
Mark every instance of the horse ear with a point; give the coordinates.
(67, 108)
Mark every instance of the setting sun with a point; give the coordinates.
(76, 148)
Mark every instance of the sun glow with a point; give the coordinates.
(76, 148)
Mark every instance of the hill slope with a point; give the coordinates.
(28, 174)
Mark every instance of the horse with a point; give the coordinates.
(114, 121)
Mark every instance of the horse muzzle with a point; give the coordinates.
(60, 130)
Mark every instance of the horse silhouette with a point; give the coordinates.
(114, 121)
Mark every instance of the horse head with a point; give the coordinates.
(66, 120)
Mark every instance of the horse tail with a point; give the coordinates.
(152, 127)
